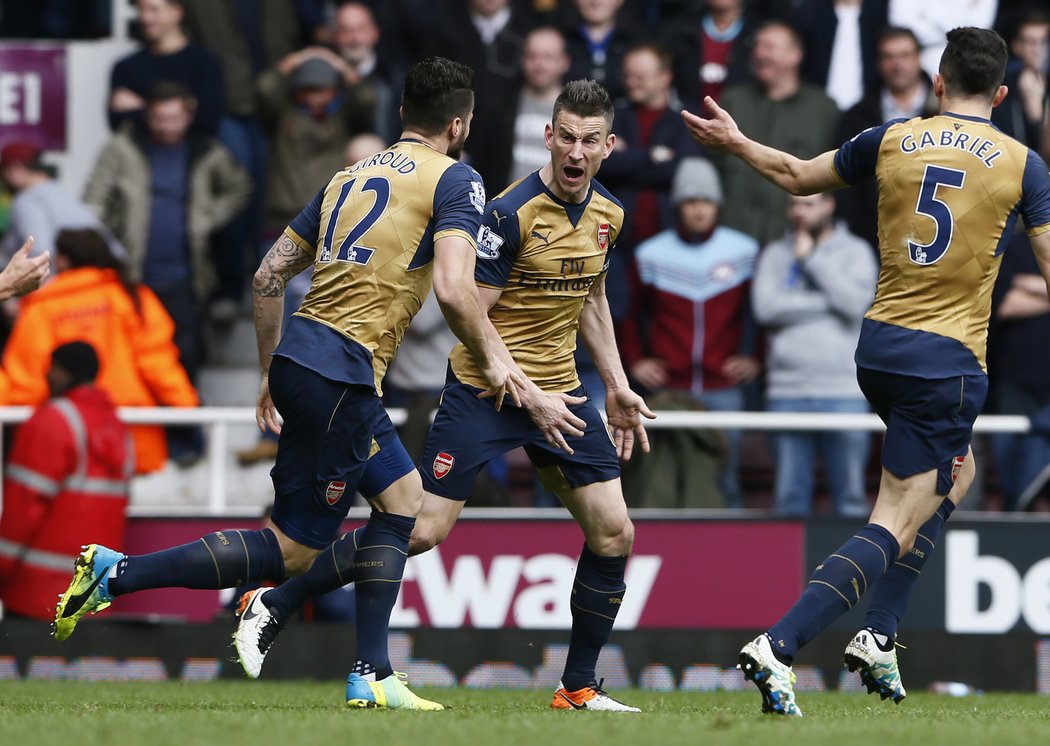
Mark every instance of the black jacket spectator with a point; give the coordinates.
(193, 66)
(610, 71)
(497, 82)
(816, 22)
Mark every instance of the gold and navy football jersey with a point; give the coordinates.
(545, 254)
(371, 231)
(951, 188)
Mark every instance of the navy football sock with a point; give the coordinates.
(836, 584)
(596, 597)
(223, 559)
(378, 567)
(333, 568)
(889, 599)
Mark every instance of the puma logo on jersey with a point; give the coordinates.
(546, 239)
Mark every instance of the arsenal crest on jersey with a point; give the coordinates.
(443, 464)
(334, 492)
(603, 236)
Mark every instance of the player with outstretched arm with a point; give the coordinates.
(951, 188)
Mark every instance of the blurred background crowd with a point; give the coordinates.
(727, 293)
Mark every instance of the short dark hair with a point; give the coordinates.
(792, 32)
(974, 62)
(1028, 16)
(87, 247)
(169, 90)
(436, 91)
(584, 98)
(897, 32)
(79, 359)
(655, 48)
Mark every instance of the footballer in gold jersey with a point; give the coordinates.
(951, 191)
(543, 250)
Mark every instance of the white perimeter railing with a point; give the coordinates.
(217, 420)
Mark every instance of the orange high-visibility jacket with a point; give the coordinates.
(138, 361)
(66, 482)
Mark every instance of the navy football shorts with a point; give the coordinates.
(331, 431)
(468, 432)
(929, 421)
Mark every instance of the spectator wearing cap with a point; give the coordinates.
(811, 289)
(41, 207)
(310, 107)
(689, 327)
(248, 37)
(68, 472)
(93, 300)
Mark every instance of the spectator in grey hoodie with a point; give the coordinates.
(810, 292)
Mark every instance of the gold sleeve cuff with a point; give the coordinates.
(301, 242)
(472, 240)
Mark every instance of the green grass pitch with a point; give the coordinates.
(308, 712)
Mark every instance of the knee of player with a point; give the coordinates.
(425, 536)
(616, 540)
(626, 538)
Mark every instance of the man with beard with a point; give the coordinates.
(542, 257)
(376, 236)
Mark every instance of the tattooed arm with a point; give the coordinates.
(282, 262)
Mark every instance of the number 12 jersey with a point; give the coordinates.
(371, 232)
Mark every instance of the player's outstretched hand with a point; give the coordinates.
(503, 381)
(625, 410)
(24, 273)
(265, 411)
(550, 413)
(717, 133)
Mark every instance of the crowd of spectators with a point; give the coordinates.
(727, 294)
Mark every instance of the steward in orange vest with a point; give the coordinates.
(68, 474)
(90, 300)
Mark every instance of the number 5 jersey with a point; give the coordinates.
(951, 188)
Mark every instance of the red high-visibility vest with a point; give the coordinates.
(66, 484)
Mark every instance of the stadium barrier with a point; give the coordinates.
(489, 607)
(217, 420)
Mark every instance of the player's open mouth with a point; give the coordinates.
(573, 173)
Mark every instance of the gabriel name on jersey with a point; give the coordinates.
(951, 188)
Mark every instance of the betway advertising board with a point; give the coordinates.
(493, 574)
(985, 577)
